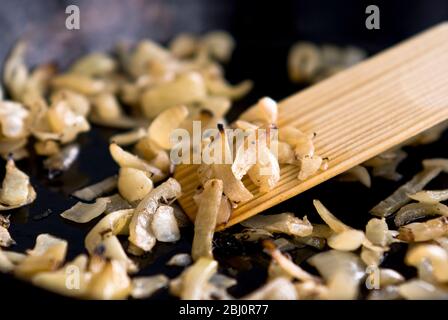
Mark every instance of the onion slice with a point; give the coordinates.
(85, 212)
(97, 189)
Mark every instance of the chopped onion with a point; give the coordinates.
(420, 290)
(5, 264)
(180, 260)
(281, 223)
(13, 116)
(399, 198)
(5, 238)
(65, 122)
(140, 233)
(277, 289)
(79, 83)
(97, 189)
(109, 282)
(78, 103)
(94, 64)
(348, 240)
(234, 189)
(114, 223)
(163, 125)
(205, 221)
(430, 196)
(186, 88)
(128, 138)
(358, 173)
(127, 160)
(266, 111)
(342, 271)
(134, 184)
(424, 231)
(145, 287)
(266, 172)
(183, 45)
(16, 189)
(334, 223)
(287, 265)
(111, 248)
(219, 44)
(390, 277)
(435, 255)
(196, 277)
(415, 211)
(85, 212)
(378, 232)
(164, 225)
(47, 255)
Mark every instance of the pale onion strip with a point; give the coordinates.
(109, 282)
(85, 212)
(128, 138)
(415, 211)
(421, 290)
(205, 221)
(79, 83)
(97, 189)
(286, 264)
(145, 287)
(281, 223)
(342, 272)
(127, 160)
(162, 126)
(134, 184)
(164, 225)
(277, 289)
(390, 277)
(234, 189)
(180, 260)
(430, 196)
(186, 88)
(435, 255)
(424, 231)
(265, 110)
(94, 64)
(140, 232)
(348, 240)
(399, 198)
(334, 223)
(15, 73)
(358, 173)
(114, 223)
(219, 44)
(196, 277)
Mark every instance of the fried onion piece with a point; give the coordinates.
(140, 232)
(47, 255)
(164, 225)
(342, 272)
(16, 189)
(424, 231)
(430, 196)
(109, 282)
(415, 211)
(399, 198)
(196, 277)
(97, 189)
(161, 128)
(134, 184)
(85, 212)
(281, 223)
(114, 223)
(435, 255)
(205, 221)
(358, 173)
(127, 160)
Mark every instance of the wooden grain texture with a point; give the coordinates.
(356, 115)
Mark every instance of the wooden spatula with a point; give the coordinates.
(356, 114)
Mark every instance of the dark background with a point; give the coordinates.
(264, 31)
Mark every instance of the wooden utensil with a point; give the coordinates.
(357, 114)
